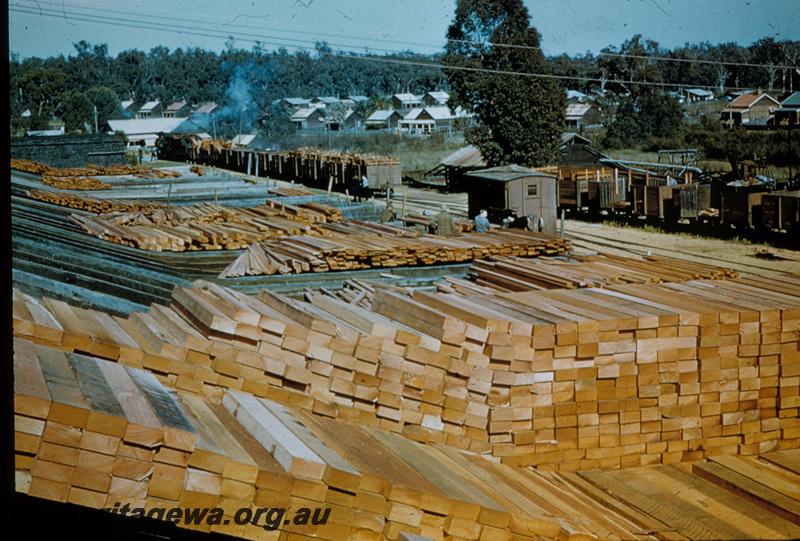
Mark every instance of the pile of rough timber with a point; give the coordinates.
(207, 226)
(611, 377)
(381, 246)
(517, 274)
(92, 204)
(75, 183)
(141, 171)
(95, 433)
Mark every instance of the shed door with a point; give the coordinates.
(532, 197)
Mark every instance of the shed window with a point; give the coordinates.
(531, 189)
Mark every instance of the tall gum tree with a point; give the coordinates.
(520, 118)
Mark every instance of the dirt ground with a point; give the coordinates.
(736, 255)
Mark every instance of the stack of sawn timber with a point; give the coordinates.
(75, 183)
(565, 379)
(207, 226)
(141, 171)
(387, 247)
(94, 433)
(92, 204)
(516, 274)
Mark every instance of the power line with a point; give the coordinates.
(152, 25)
(436, 46)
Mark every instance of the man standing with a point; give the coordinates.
(140, 153)
(444, 223)
(482, 222)
(364, 186)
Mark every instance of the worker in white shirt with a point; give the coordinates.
(481, 222)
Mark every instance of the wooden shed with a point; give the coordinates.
(526, 192)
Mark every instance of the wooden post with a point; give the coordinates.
(330, 184)
(561, 230)
(403, 207)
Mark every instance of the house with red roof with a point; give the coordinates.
(751, 109)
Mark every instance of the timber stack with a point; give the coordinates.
(95, 433)
(625, 375)
(36, 168)
(92, 204)
(208, 226)
(75, 183)
(380, 246)
(517, 274)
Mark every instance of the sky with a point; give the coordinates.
(50, 27)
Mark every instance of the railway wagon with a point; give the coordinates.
(780, 211)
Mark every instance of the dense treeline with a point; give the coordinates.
(246, 82)
(68, 86)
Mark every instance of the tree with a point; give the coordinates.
(76, 111)
(645, 114)
(520, 117)
(106, 101)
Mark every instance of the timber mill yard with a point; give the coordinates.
(235, 331)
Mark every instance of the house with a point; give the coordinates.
(324, 101)
(146, 130)
(357, 98)
(751, 109)
(178, 109)
(383, 119)
(128, 108)
(581, 115)
(208, 108)
(788, 114)
(698, 94)
(514, 189)
(437, 118)
(405, 102)
(435, 97)
(151, 109)
(347, 102)
(350, 122)
(309, 119)
(249, 140)
(295, 103)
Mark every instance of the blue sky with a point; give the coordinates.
(571, 26)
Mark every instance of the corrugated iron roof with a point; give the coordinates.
(746, 101)
(506, 173)
(206, 108)
(792, 101)
(297, 101)
(468, 156)
(407, 98)
(302, 114)
(382, 115)
(577, 110)
(150, 105)
(139, 126)
(176, 106)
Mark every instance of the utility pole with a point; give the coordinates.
(94, 108)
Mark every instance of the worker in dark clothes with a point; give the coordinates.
(387, 214)
(444, 224)
(354, 186)
(482, 222)
(140, 154)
